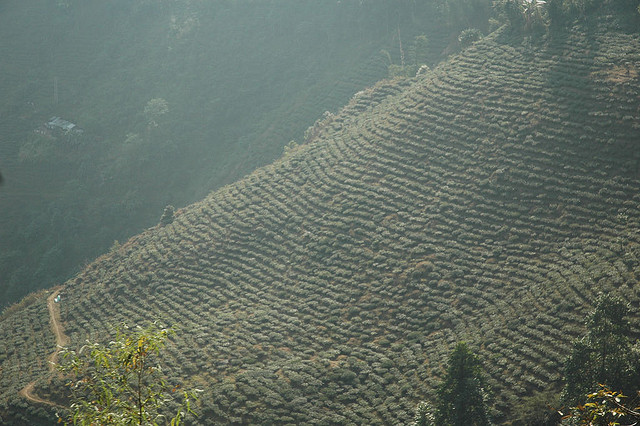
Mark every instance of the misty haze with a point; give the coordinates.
(348, 212)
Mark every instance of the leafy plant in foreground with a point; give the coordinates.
(605, 408)
(120, 382)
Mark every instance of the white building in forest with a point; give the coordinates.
(57, 123)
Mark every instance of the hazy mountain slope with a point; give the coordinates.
(487, 201)
(241, 79)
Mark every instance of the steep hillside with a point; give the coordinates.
(488, 200)
(240, 80)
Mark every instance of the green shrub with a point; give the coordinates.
(469, 36)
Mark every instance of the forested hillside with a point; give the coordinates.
(175, 99)
(486, 200)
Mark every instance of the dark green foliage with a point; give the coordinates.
(464, 13)
(461, 395)
(605, 355)
(540, 409)
(420, 50)
(511, 12)
(402, 71)
(418, 54)
(468, 36)
(534, 16)
(522, 15)
(556, 13)
(424, 415)
(167, 216)
(580, 8)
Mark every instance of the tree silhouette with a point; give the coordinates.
(461, 399)
(605, 355)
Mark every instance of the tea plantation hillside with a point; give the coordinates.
(232, 84)
(488, 200)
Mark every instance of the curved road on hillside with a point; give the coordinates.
(61, 340)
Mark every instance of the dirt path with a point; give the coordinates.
(27, 392)
(56, 326)
(61, 340)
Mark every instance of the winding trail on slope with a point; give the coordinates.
(61, 340)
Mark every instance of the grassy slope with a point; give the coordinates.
(489, 201)
(241, 78)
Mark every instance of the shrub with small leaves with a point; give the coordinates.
(469, 36)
